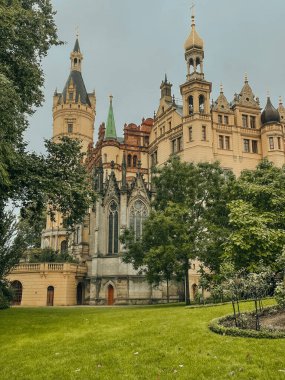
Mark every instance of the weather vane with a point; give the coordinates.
(193, 9)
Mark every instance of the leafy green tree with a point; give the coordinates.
(257, 217)
(57, 181)
(189, 214)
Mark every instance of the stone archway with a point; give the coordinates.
(79, 293)
(17, 288)
(50, 295)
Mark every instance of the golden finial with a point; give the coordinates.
(221, 88)
(111, 98)
(245, 78)
(77, 31)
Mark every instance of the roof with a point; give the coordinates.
(110, 132)
(194, 40)
(270, 113)
(75, 78)
(76, 46)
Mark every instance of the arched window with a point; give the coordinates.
(63, 246)
(198, 64)
(17, 292)
(201, 103)
(113, 222)
(50, 295)
(191, 65)
(135, 159)
(190, 105)
(138, 214)
(129, 160)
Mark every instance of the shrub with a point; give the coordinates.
(279, 294)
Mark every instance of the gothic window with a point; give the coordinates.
(138, 214)
(129, 160)
(201, 104)
(113, 231)
(190, 105)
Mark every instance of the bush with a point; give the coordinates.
(47, 255)
(279, 294)
(5, 295)
(216, 325)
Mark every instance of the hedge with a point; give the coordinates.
(215, 326)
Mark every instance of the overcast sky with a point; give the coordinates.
(129, 45)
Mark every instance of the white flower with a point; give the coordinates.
(136, 353)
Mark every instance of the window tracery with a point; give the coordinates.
(138, 214)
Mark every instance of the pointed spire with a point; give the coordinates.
(221, 88)
(110, 133)
(76, 48)
(165, 79)
(194, 40)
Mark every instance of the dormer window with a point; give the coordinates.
(70, 95)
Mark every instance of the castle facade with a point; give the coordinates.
(236, 133)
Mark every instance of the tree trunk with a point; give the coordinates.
(167, 290)
(257, 326)
(187, 287)
(234, 309)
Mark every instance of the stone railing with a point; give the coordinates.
(50, 267)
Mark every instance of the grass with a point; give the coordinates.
(156, 342)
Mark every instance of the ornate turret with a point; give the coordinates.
(74, 108)
(281, 110)
(165, 90)
(194, 53)
(110, 132)
(246, 97)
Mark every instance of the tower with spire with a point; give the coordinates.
(74, 108)
(195, 93)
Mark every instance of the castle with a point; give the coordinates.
(238, 134)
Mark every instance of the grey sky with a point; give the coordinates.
(129, 45)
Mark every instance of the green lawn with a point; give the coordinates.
(130, 343)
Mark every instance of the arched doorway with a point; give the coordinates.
(50, 295)
(110, 295)
(17, 292)
(79, 294)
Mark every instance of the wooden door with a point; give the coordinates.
(50, 295)
(110, 295)
(17, 292)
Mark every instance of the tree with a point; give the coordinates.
(57, 181)
(189, 213)
(256, 217)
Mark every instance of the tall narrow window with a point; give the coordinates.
(138, 214)
(221, 141)
(69, 127)
(246, 146)
(252, 122)
(271, 143)
(244, 121)
(129, 160)
(135, 159)
(204, 133)
(279, 142)
(190, 134)
(113, 242)
(201, 104)
(70, 96)
(254, 146)
(174, 146)
(226, 119)
(220, 119)
(179, 144)
(191, 105)
(227, 142)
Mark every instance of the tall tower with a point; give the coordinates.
(74, 108)
(197, 130)
(73, 116)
